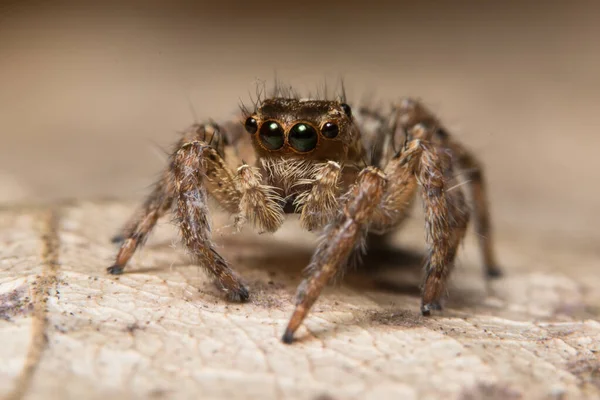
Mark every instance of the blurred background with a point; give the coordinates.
(90, 92)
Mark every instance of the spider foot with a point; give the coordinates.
(493, 271)
(240, 295)
(117, 239)
(115, 270)
(427, 308)
(288, 337)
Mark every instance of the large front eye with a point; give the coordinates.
(271, 135)
(303, 137)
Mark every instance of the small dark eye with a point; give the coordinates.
(303, 137)
(347, 110)
(330, 130)
(251, 125)
(271, 135)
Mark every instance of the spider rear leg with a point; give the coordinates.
(473, 174)
(137, 229)
(157, 204)
(446, 216)
(411, 112)
(436, 276)
(338, 243)
(422, 164)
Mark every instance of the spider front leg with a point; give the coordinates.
(445, 211)
(381, 200)
(340, 239)
(425, 165)
(446, 220)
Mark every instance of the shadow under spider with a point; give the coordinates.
(384, 268)
(372, 273)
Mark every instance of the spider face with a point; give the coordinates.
(315, 129)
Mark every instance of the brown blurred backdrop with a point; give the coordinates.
(91, 91)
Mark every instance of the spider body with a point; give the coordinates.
(346, 173)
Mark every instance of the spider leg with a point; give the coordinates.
(381, 199)
(422, 163)
(339, 241)
(397, 200)
(195, 168)
(132, 222)
(472, 174)
(446, 215)
(157, 204)
(160, 200)
(457, 219)
(411, 112)
(189, 169)
(137, 229)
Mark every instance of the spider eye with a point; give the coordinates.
(347, 110)
(330, 130)
(271, 135)
(303, 137)
(251, 125)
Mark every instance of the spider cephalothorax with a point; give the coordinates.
(346, 173)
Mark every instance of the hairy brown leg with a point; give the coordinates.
(139, 227)
(161, 198)
(398, 198)
(444, 219)
(472, 174)
(381, 199)
(446, 216)
(189, 170)
(218, 180)
(157, 204)
(411, 112)
(339, 240)
(457, 218)
(128, 228)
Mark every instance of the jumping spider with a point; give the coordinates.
(347, 174)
